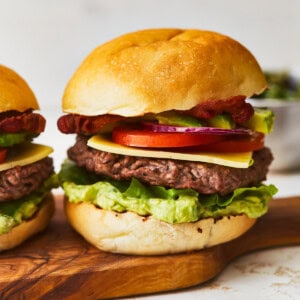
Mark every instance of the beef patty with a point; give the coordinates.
(22, 180)
(205, 178)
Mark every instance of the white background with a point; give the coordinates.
(45, 41)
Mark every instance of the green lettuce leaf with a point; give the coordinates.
(169, 205)
(12, 213)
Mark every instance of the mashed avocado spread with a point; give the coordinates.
(14, 212)
(169, 205)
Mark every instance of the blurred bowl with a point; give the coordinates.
(284, 140)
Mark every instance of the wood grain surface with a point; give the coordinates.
(59, 264)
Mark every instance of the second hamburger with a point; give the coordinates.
(26, 170)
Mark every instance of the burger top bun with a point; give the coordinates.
(15, 93)
(161, 69)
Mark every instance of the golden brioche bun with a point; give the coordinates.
(130, 233)
(15, 93)
(161, 69)
(30, 227)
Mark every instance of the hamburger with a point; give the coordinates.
(26, 171)
(169, 156)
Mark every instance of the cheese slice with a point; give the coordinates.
(234, 160)
(25, 154)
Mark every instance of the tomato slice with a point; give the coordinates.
(149, 139)
(240, 144)
(3, 152)
(191, 142)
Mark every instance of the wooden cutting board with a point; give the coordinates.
(59, 264)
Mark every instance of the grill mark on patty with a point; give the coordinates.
(205, 178)
(22, 180)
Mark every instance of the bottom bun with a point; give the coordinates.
(30, 227)
(129, 233)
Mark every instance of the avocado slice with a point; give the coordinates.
(222, 121)
(261, 121)
(9, 139)
(177, 119)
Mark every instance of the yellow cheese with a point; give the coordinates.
(234, 160)
(25, 154)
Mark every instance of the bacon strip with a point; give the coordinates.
(88, 125)
(240, 111)
(13, 121)
(73, 123)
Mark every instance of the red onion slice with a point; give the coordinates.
(212, 130)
